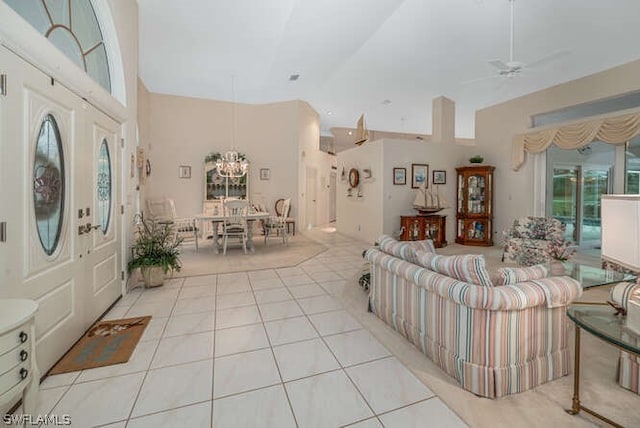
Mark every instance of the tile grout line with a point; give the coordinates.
(341, 367)
(146, 373)
(213, 351)
(275, 360)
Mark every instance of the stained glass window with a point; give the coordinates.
(72, 26)
(103, 190)
(48, 185)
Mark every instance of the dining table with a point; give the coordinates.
(217, 219)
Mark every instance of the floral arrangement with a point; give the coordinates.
(560, 250)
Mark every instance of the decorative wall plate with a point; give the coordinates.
(354, 177)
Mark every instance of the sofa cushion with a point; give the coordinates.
(405, 250)
(622, 292)
(467, 268)
(515, 275)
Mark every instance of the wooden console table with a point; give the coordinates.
(420, 227)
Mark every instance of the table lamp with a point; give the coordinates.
(621, 243)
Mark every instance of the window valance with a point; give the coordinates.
(609, 129)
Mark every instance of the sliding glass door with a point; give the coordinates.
(576, 193)
(576, 181)
(564, 198)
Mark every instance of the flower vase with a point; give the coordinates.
(556, 268)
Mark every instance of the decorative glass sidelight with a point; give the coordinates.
(103, 186)
(49, 185)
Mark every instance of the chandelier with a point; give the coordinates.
(232, 164)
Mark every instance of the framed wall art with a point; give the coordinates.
(419, 175)
(184, 171)
(439, 176)
(399, 176)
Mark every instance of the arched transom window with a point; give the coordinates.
(72, 26)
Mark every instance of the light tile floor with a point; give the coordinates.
(267, 348)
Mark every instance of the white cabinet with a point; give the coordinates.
(18, 371)
(217, 189)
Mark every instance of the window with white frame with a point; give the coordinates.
(72, 26)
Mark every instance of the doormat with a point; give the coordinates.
(106, 343)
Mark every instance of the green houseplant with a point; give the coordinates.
(156, 251)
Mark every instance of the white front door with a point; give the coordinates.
(47, 168)
(103, 224)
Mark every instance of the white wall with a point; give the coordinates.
(182, 131)
(398, 200)
(382, 204)
(361, 217)
(496, 126)
(311, 157)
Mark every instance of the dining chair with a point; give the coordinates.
(276, 226)
(290, 221)
(164, 211)
(235, 223)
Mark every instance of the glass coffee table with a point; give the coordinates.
(599, 320)
(612, 329)
(591, 276)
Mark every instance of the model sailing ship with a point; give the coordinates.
(428, 202)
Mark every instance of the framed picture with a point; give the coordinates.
(265, 174)
(419, 175)
(400, 176)
(439, 176)
(184, 171)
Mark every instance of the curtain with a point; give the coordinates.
(612, 130)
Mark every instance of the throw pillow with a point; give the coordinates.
(467, 268)
(515, 275)
(405, 250)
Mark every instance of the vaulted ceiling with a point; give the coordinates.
(385, 58)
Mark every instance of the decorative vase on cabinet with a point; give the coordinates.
(474, 213)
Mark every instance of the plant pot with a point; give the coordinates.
(153, 276)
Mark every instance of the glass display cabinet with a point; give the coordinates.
(474, 213)
(420, 227)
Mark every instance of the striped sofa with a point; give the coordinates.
(628, 365)
(494, 340)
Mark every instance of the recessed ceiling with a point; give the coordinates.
(351, 54)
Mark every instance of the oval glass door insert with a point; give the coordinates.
(103, 190)
(49, 185)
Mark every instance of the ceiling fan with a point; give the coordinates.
(513, 68)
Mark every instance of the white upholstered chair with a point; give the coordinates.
(164, 210)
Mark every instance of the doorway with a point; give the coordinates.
(333, 179)
(311, 192)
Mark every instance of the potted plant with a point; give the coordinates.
(476, 159)
(156, 251)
